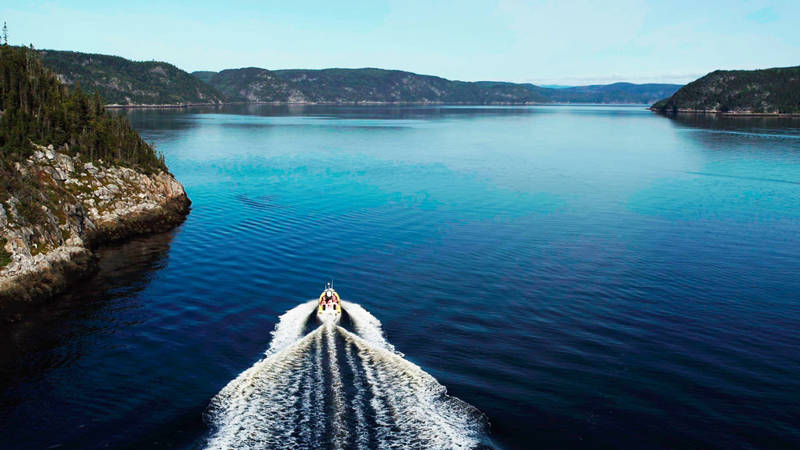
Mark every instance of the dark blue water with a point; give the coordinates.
(585, 276)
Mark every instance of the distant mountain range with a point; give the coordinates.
(766, 91)
(371, 85)
(613, 93)
(129, 83)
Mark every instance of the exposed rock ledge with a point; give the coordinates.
(83, 206)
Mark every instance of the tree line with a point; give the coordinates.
(38, 108)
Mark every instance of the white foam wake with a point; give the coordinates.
(290, 326)
(421, 414)
(304, 395)
(366, 325)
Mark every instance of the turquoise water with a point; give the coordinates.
(580, 275)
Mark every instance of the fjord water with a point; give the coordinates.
(585, 276)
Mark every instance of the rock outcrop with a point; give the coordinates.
(47, 243)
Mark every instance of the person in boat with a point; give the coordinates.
(327, 301)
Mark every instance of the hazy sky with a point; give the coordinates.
(545, 42)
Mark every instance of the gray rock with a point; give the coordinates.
(89, 167)
(65, 163)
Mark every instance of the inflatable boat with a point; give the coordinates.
(330, 305)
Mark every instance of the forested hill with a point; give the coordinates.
(37, 109)
(123, 82)
(363, 86)
(613, 93)
(370, 85)
(767, 91)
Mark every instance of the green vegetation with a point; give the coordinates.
(767, 91)
(204, 75)
(393, 86)
(378, 85)
(620, 93)
(251, 84)
(5, 257)
(123, 82)
(38, 109)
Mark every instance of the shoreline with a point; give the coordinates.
(363, 103)
(713, 112)
(352, 103)
(100, 205)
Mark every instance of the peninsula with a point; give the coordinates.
(73, 177)
(766, 92)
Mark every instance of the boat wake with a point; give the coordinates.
(340, 389)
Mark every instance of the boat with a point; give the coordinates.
(330, 305)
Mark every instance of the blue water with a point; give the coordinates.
(584, 276)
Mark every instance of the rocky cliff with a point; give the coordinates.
(47, 244)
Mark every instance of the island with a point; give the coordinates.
(74, 177)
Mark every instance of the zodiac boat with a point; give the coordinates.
(330, 305)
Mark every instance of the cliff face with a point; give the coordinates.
(47, 243)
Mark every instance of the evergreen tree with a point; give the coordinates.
(35, 107)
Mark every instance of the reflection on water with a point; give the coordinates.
(61, 333)
(784, 126)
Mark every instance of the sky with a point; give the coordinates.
(544, 42)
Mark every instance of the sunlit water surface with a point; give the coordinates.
(583, 276)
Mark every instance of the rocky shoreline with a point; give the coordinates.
(83, 206)
(722, 113)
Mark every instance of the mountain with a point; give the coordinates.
(252, 84)
(368, 85)
(766, 91)
(204, 75)
(614, 93)
(123, 82)
(130, 83)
